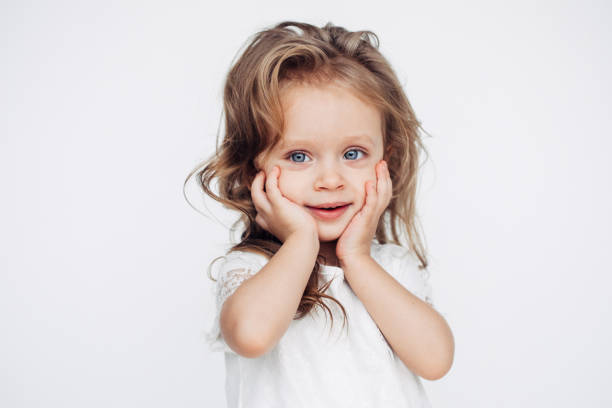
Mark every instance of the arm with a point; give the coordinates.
(259, 312)
(418, 334)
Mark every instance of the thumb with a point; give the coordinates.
(261, 222)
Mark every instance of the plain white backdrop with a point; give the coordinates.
(106, 106)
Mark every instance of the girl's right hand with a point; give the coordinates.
(276, 213)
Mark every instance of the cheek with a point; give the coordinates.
(365, 175)
(290, 186)
(372, 174)
(361, 179)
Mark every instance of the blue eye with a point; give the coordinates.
(298, 157)
(353, 154)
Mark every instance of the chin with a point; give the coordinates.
(329, 236)
(326, 239)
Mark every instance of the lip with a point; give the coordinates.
(330, 204)
(319, 212)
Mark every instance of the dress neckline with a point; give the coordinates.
(330, 271)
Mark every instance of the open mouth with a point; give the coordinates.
(330, 208)
(329, 212)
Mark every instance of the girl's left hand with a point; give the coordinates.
(357, 237)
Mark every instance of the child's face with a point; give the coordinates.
(329, 149)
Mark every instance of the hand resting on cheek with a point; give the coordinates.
(356, 239)
(276, 213)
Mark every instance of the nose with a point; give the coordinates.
(329, 177)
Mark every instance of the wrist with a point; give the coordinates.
(308, 239)
(354, 260)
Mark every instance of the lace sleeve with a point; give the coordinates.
(233, 270)
(404, 266)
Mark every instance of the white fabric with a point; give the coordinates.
(313, 366)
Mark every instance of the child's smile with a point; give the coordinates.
(331, 143)
(329, 211)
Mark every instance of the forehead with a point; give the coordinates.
(314, 140)
(328, 113)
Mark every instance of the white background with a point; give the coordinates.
(107, 106)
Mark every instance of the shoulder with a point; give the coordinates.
(390, 253)
(244, 258)
(233, 268)
(252, 251)
(405, 267)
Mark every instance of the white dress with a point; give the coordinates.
(313, 366)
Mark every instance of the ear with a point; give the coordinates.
(387, 153)
(257, 163)
(260, 159)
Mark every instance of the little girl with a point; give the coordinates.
(320, 157)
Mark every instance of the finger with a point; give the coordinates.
(371, 197)
(258, 195)
(381, 173)
(272, 188)
(384, 186)
(389, 183)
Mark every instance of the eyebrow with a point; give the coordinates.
(359, 139)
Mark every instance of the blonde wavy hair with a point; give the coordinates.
(289, 52)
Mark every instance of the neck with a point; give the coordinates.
(328, 250)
